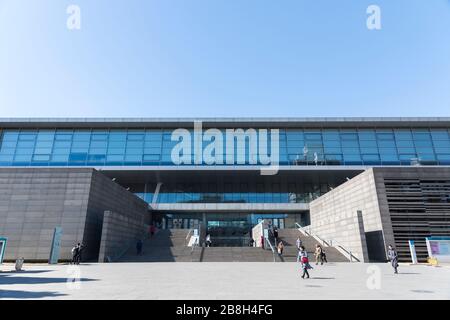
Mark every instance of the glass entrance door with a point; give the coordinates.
(230, 230)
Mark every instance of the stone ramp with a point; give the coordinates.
(289, 238)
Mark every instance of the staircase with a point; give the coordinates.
(170, 246)
(289, 238)
(167, 245)
(236, 254)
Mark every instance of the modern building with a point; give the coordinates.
(225, 175)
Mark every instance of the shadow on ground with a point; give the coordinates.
(10, 279)
(18, 294)
(22, 272)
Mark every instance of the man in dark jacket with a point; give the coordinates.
(393, 257)
(80, 250)
(75, 252)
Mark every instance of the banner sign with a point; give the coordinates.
(56, 245)
(2, 248)
(439, 248)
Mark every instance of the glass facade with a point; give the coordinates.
(244, 192)
(231, 228)
(151, 147)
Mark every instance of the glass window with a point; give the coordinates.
(405, 143)
(441, 134)
(59, 158)
(350, 144)
(385, 136)
(9, 144)
(421, 135)
(117, 136)
(43, 151)
(114, 158)
(331, 135)
(27, 136)
(350, 151)
(386, 144)
(406, 150)
(348, 136)
(403, 135)
(46, 135)
(370, 157)
(151, 157)
(443, 157)
(41, 157)
(332, 150)
(44, 144)
(25, 144)
(81, 136)
(78, 157)
(366, 135)
(388, 151)
(11, 136)
(116, 151)
(63, 136)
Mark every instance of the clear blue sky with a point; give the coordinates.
(224, 58)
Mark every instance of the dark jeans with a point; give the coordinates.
(305, 272)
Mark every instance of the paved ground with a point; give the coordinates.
(224, 281)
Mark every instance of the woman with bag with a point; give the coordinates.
(304, 262)
(280, 248)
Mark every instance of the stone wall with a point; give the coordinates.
(334, 215)
(33, 201)
(119, 233)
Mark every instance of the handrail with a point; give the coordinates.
(271, 247)
(195, 244)
(186, 242)
(337, 244)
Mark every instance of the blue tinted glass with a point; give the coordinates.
(365, 135)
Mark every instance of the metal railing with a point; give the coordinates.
(307, 230)
(271, 248)
(195, 244)
(188, 237)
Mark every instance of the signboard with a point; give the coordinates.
(439, 248)
(56, 246)
(2, 248)
(412, 249)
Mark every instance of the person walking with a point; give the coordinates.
(75, 251)
(139, 247)
(324, 257)
(275, 235)
(208, 240)
(80, 251)
(304, 262)
(393, 257)
(152, 230)
(280, 248)
(318, 254)
(298, 243)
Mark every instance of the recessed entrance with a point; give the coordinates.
(228, 229)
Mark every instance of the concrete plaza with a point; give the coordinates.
(224, 281)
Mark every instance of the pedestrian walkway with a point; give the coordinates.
(224, 281)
